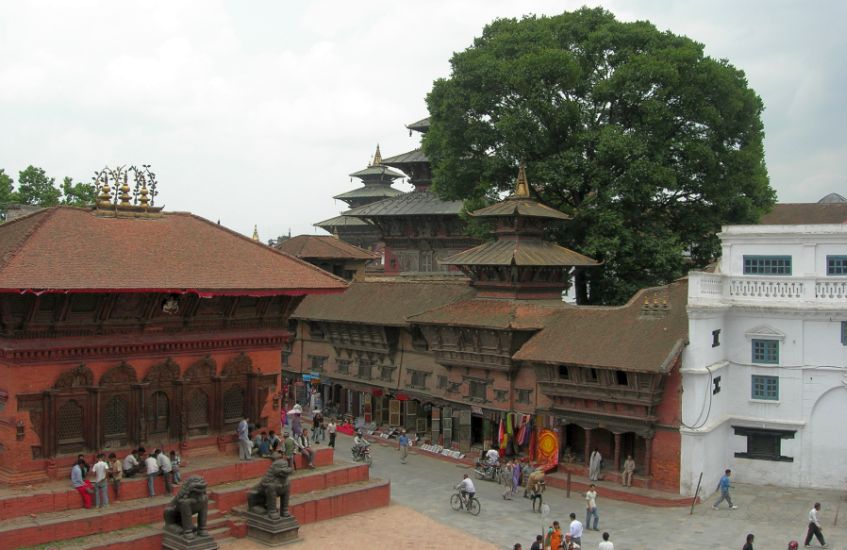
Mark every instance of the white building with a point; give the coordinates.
(765, 372)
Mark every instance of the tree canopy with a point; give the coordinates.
(35, 187)
(646, 142)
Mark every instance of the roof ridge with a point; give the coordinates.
(258, 243)
(45, 214)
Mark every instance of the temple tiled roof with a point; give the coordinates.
(71, 249)
(375, 191)
(382, 303)
(342, 221)
(492, 313)
(421, 203)
(507, 252)
(371, 172)
(520, 207)
(322, 247)
(646, 335)
(421, 125)
(806, 213)
(411, 157)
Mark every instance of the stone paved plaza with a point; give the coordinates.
(774, 515)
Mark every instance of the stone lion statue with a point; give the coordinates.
(262, 499)
(191, 499)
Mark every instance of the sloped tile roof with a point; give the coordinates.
(802, 213)
(411, 157)
(342, 220)
(492, 313)
(421, 125)
(379, 170)
(418, 203)
(73, 249)
(378, 190)
(382, 303)
(527, 252)
(520, 207)
(324, 247)
(644, 335)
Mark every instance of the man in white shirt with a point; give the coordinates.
(606, 544)
(591, 507)
(492, 456)
(467, 488)
(575, 530)
(166, 469)
(815, 527)
(131, 465)
(101, 486)
(244, 447)
(152, 468)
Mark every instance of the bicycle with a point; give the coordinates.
(457, 501)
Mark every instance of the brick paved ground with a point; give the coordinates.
(395, 527)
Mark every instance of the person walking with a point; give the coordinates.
(591, 507)
(538, 544)
(556, 536)
(723, 485)
(403, 443)
(815, 527)
(100, 471)
(749, 544)
(628, 470)
(244, 447)
(516, 476)
(506, 479)
(575, 530)
(288, 447)
(116, 473)
(317, 426)
(152, 469)
(595, 463)
(606, 544)
(330, 429)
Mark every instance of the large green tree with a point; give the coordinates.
(7, 188)
(646, 142)
(78, 194)
(35, 187)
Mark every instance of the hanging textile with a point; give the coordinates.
(548, 447)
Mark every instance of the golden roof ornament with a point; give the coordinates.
(135, 201)
(256, 233)
(522, 186)
(377, 161)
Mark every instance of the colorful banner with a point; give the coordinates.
(547, 447)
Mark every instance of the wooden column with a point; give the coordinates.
(648, 454)
(587, 451)
(617, 452)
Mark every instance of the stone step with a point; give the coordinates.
(613, 491)
(317, 505)
(67, 524)
(59, 496)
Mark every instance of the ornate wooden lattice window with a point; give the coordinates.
(69, 429)
(115, 417)
(158, 413)
(198, 411)
(233, 404)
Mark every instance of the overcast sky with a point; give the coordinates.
(255, 112)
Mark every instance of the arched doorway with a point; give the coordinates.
(825, 432)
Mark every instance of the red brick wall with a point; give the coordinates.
(667, 440)
(16, 462)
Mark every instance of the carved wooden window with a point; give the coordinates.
(386, 374)
(198, 410)
(364, 371)
(523, 396)
(69, 419)
(158, 413)
(418, 379)
(115, 417)
(442, 382)
(233, 404)
(343, 366)
(476, 389)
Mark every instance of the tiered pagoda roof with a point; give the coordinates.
(323, 247)
(377, 179)
(519, 261)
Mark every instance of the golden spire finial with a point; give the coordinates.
(256, 233)
(522, 187)
(377, 161)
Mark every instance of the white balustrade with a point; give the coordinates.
(707, 287)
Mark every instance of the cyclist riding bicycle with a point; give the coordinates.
(466, 488)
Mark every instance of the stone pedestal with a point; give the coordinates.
(173, 541)
(272, 532)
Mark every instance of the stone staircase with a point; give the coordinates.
(45, 517)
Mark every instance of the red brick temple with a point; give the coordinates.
(124, 325)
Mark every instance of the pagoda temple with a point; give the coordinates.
(419, 229)
(125, 326)
(377, 179)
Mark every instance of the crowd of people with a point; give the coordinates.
(94, 480)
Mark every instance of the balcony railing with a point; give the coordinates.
(710, 287)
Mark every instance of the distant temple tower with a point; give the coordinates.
(377, 179)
